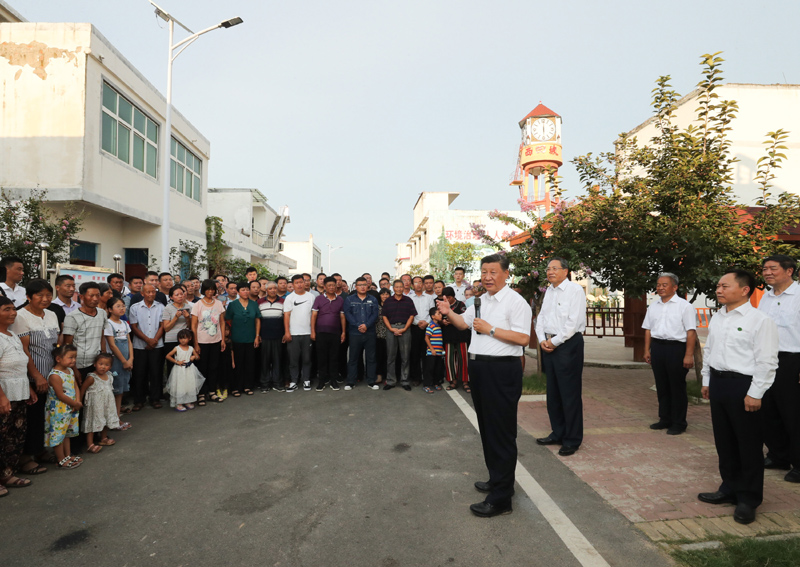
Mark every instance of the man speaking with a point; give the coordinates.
(501, 327)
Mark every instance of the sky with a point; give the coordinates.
(346, 111)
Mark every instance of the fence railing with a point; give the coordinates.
(263, 240)
(607, 321)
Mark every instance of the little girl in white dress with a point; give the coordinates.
(185, 380)
(99, 406)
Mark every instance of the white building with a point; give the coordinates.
(253, 229)
(79, 121)
(762, 109)
(433, 216)
(307, 255)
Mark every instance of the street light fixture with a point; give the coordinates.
(166, 138)
(329, 255)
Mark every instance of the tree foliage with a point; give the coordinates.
(27, 222)
(446, 256)
(188, 259)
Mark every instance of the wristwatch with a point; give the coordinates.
(491, 333)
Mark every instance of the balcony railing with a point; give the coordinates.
(263, 240)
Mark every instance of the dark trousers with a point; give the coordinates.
(417, 354)
(300, 352)
(244, 357)
(209, 366)
(343, 357)
(148, 369)
(434, 370)
(564, 370)
(380, 357)
(666, 358)
(496, 388)
(737, 436)
(34, 433)
(780, 409)
(361, 343)
(328, 357)
(271, 363)
(168, 349)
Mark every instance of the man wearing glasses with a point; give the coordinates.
(361, 311)
(558, 330)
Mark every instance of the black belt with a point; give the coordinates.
(488, 358)
(666, 342)
(730, 374)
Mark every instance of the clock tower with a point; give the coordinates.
(539, 152)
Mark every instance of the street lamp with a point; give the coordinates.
(167, 136)
(329, 255)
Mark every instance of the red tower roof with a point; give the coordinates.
(540, 110)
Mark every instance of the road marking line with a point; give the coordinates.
(572, 537)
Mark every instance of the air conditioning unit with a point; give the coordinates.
(280, 247)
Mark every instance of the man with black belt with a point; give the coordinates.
(501, 329)
(739, 361)
(669, 339)
(559, 329)
(781, 403)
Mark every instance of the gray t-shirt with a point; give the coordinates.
(184, 321)
(87, 334)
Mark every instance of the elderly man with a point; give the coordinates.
(669, 339)
(271, 308)
(423, 304)
(781, 402)
(558, 330)
(739, 361)
(398, 315)
(147, 326)
(500, 333)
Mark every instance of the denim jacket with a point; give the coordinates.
(361, 312)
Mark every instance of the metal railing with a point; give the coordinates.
(604, 322)
(263, 240)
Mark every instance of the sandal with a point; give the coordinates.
(428, 390)
(38, 469)
(214, 398)
(137, 407)
(437, 387)
(94, 448)
(467, 388)
(452, 387)
(68, 463)
(125, 410)
(107, 442)
(190, 406)
(123, 426)
(179, 407)
(76, 459)
(249, 392)
(201, 401)
(16, 482)
(236, 394)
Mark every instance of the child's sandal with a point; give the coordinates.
(428, 390)
(107, 442)
(94, 448)
(68, 463)
(201, 400)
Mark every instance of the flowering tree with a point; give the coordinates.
(27, 222)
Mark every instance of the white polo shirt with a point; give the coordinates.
(670, 320)
(784, 309)
(507, 310)
(17, 295)
(460, 290)
(563, 313)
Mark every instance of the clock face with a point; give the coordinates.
(543, 129)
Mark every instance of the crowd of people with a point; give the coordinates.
(75, 363)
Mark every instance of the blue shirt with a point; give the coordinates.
(149, 320)
(359, 312)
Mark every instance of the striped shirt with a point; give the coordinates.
(43, 332)
(434, 335)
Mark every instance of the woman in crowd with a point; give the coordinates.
(177, 317)
(380, 343)
(37, 328)
(106, 293)
(208, 321)
(15, 394)
(245, 319)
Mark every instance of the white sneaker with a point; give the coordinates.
(373, 386)
(307, 386)
(292, 387)
(348, 388)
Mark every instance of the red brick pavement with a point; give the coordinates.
(645, 474)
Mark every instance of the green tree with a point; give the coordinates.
(235, 269)
(27, 222)
(188, 259)
(215, 245)
(446, 256)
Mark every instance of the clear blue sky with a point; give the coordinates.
(346, 111)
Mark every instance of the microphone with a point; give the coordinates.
(477, 304)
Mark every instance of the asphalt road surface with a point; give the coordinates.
(306, 479)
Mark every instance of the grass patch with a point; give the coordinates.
(693, 387)
(534, 384)
(745, 553)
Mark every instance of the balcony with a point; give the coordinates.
(263, 240)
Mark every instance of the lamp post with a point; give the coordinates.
(43, 249)
(329, 255)
(166, 138)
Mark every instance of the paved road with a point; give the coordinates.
(362, 478)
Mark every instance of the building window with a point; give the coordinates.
(128, 134)
(185, 171)
(83, 253)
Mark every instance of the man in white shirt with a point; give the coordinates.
(501, 328)
(781, 403)
(15, 271)
(460, 286)
(669, 340)
(739, 361)
(297, 333)
(65, 291)
(559, 329)
(423, 303)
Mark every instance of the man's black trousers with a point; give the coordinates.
(666, 359)
(780, 409)
(328, 357)
(564, 370)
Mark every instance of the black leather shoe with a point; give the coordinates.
(792, 476)
(660, 425)
(481, 486)
(549, 440)
(771, 464)
(567, 451)
(717, 497)
(407, 388)
(388, 387)
(487, 510)
(675, 431)
(744, 514)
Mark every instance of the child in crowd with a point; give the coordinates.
(434, 357)
(99, 407)
(118, 341)
(184, 381)
(62, 406)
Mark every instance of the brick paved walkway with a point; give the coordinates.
(653, 478)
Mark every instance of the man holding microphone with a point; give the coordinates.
(501, 326)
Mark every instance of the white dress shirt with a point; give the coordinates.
(423, 303)
(72, 306)
(744, 340)
(460, 290)
(784, 309)
(17, 295)
(670, 320)
(507, 310)
(563, 313)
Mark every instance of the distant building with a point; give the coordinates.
(433, 217)
(307, 255)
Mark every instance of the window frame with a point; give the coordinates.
(150, 165)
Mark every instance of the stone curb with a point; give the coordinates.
(600, 364)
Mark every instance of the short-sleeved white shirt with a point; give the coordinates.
(507, 310)
(300, 308)
(671, 320)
